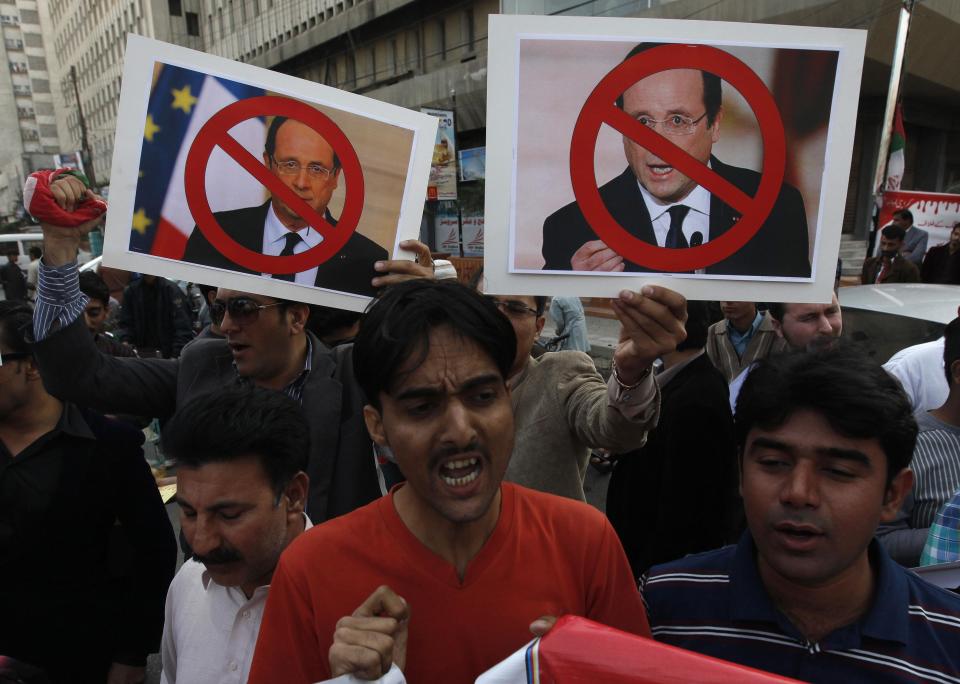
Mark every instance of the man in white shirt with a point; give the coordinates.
(241, 455)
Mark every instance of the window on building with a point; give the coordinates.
(220, 21)
(233, 18)
(193, 23)
(176, 8)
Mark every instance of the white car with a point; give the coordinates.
(888, 318)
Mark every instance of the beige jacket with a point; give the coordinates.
(562, 408)
(720, 350)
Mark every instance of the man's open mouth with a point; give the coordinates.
(460, 472)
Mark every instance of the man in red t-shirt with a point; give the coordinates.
(464, 562)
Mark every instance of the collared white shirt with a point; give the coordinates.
(697, 219)
(275, 239)
(209, 631)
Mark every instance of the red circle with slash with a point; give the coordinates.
(600, 109)
(215, 133)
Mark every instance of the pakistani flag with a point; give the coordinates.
(895, 162)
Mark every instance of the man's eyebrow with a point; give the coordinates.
(220, 505)
(769, 443)
(830, 452)
(434, 391)
(846, 455)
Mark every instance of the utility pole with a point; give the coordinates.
(84, 144)
(893, 94)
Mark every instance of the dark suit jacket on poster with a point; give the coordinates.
(349, 270)
(343, 474)
(779, 248)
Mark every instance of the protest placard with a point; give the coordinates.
(231, 175)
(709, 157)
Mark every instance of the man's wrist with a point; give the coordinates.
(59, 252)
(631, 378)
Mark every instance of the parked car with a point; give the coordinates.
(888, 318)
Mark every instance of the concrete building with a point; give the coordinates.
(89, 36)
(28, 126)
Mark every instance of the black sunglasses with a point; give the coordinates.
(14, 356)
(242, 310)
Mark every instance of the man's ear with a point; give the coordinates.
(374, 421)
(897, 490)
(31, 369)
(540, 321)
(955, 372)
(296, 494)
(777, 327)
(297, 315)
(715, 133)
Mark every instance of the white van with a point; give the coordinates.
(23, 243)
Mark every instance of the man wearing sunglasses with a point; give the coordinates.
(266, 344)
(656, 203)
(302, 160)
(562, 406)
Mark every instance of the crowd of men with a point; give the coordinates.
(400, 494)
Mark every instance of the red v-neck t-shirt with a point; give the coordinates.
(547, 556)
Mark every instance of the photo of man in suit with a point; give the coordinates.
(658, 204)
(307, 164)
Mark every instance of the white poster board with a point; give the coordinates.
(217, 162)
(764, 174)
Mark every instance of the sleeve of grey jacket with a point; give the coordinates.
(593, 417)
(73, 369)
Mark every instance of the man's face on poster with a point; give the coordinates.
(661, 96)
(303, 161)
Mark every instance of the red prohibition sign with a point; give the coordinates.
(600, 108)
(215, 133)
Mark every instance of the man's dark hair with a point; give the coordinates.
(398, 325)
(951, 347)
(15, 319)
(540, 301)
(271, 142)
(325, 320)
(698, 321)
(239, 422)
(892, 232)
(777, 309)
(856, 396)
(712, 92)
(35, 252)
(205, 290)
(92, 285)
(905, 214)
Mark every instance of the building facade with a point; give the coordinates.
(28, 125)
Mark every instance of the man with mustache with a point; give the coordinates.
(464, 562)
(890, 266)
(825, 439)
(241, 455)
(660, 205)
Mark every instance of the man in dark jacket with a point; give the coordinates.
(678, 493)
(13, 280)
(266, 343)
(67, 475)
(890, 266)
(154, 317)
(942, 263)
